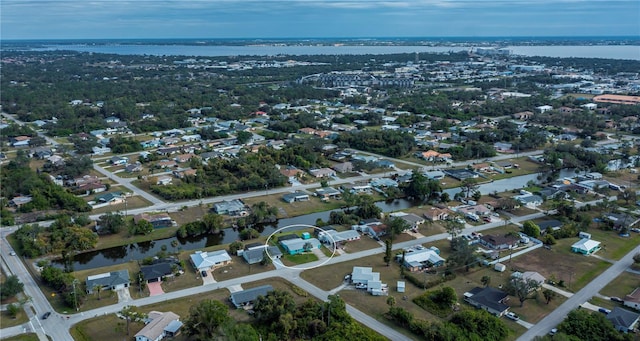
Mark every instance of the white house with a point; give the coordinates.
(585, 246)
(110, 280)
(332, 237)
(203, 260)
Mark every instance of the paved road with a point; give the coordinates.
(550, 321)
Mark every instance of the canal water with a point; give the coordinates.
(138, 251)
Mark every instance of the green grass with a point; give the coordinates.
(621, 285)
(300, 258)
(23, 337)
(592, 273)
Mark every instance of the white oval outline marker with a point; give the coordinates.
(266, 244)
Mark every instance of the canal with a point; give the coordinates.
(139, 251)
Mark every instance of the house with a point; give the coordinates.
(326, 193)
(333, 237)
(322, 172)
(298, 245)
(633, 299)
(203, 260)
(182, 158)
(110, 198)
(256, 254)
(550, 225)
(412, 220)
(499, 242)
(420, 259)
(230, 207)
(167, 164)
(20, 200)
(159, 325)
(375, 230)
(530, 200)
(100, 150)
(623, 320)
(134, 167)
(296, 196)
(164, 180)
(246, 297)
(343, 167)
(434, 175)
(363, 275)
(383, 183)
(119, 161)
(489, 299)
(157, 220)
(529, 276)
(109, 280)
(585, 246)
(436, 214)
(20, 141)
(155, 272)
(291, 172)
(544, 108)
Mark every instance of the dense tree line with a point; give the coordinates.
(18, 179)
(64, 235)
(385, 142)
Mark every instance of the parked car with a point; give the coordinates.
(204, 273)
(486, 219)
(553, 331)
(46, 315)
(512, 316)
(604, 310)
(347, 277)
(616, 299)
(635, 229)
(361, 286)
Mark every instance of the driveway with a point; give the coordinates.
(123, 295)
(155, 288)
(209, 279)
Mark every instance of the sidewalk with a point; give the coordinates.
(558, 290)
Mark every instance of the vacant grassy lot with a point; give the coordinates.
(613, 246)
(560, 264)
(621, 285)
(292, 260)
(238, 268)
(8, 321)
(109, 327)
(135, 201)
(314, 204)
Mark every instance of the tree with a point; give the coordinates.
(395, 226)
(235, 246)
(453, 227)
(131, 313)
(205, 319)
(97, 288)
(522, 288)
(468, 186)
(485, 280)
(111, 223)
(270, 307)
(531, 229)
(391, 301)
(584, 325)
(548, 295)
(636, 258)
(11, 287)
(463, 253)
(629, 195)
(13, 310)
(143, 227)
(266, 260)
(422, 188)
(387, 251)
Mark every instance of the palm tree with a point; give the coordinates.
(548, 295)
(391, 301)
(485, 280)
(97, 288)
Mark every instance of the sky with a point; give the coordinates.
(138, 19)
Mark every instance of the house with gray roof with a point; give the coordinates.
(230, 207)
(246, 297)
(295, 196)
(623, 320)
(332, 237)
(159, 325)
(489, 299)
(257, 254)
(109, 280)
(203, 260)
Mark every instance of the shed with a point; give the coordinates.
(306, 235)
(500, 267)
(400, 285)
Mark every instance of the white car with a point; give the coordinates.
(513, 316)
(361, 286)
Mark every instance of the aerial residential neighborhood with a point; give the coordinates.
(408, 193)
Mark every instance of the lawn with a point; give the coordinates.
(8, 321)
(560, 264)
(613, 246)
(123, 237)
(189, 214)
(23, 337)
(135, 201)
(238, 268)
(291, 260)
(621, 285)
(109, 327)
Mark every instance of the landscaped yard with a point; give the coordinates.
(292, 260)
(613, 246)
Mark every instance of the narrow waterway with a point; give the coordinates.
(138, 251)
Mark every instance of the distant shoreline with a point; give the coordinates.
(364, 41)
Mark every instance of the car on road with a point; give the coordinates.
(616, 299)
(12, 253)
(46, 315)
(553, 331)
(204, 273)
(512, 316)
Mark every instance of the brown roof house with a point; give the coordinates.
(633, 299)
(499, 242)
